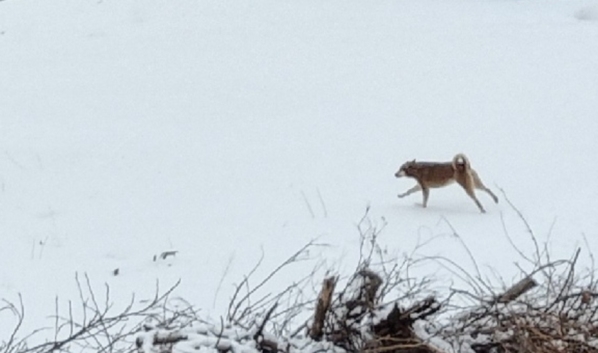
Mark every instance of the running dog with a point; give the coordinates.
(436, 175)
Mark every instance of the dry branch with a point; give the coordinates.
(96, 329)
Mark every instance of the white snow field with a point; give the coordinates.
(224, 129)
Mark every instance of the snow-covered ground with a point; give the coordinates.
(225, 129)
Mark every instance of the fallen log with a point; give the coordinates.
(324, 299)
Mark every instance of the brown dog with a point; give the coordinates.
(436, 175)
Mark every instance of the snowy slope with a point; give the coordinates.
(223, 129)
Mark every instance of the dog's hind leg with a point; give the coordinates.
(477, 182)
(416, 188)
(471, 194)
(468, 185)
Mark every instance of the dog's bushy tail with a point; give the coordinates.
(461, 158)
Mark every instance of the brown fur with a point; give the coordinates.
(435, 175)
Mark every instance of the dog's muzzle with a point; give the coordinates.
(400, 173)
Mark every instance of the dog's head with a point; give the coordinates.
(407, 169)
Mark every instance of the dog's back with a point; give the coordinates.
(431, 174)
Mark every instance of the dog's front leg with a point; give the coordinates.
(426, 192)
(416, 188)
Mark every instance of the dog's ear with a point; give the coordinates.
(413, 161)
